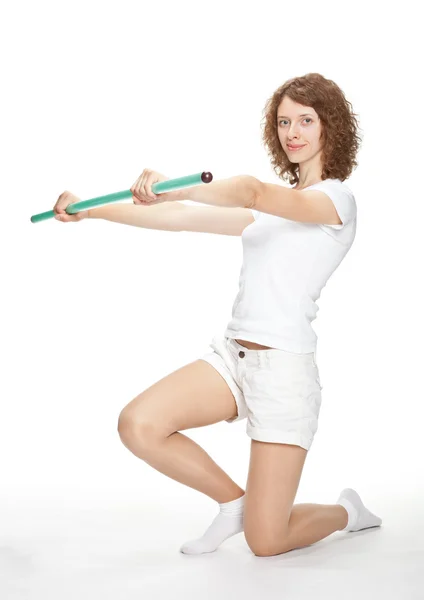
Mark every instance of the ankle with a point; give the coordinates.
(344, 517)
(232, 497)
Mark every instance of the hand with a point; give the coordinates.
(142, 188)
(62, 202)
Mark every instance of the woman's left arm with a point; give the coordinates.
(239, 191)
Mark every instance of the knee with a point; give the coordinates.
(265, 550)
(262, 546)
(136, 431)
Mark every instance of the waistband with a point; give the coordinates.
(264, 356)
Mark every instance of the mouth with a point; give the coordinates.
(294, 148)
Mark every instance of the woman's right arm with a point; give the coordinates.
(168, 216)
(164, 215)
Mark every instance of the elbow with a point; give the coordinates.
(254, 191)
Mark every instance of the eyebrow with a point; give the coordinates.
(305, 115)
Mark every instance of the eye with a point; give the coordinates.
(285, 120)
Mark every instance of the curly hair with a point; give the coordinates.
(339, 133)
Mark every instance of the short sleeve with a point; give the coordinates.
(342, 198)
(255, 213)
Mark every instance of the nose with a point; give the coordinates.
(293, 133)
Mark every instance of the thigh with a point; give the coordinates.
(272, 484)
(194, 395)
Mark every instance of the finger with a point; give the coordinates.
(136, 187)
(65, 200)
(141, 187)
(60, 203)
(149, 183)
(68, 217)
(149, 203)
(65, 218)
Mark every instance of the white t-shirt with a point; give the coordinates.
(285, 266)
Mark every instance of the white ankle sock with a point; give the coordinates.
(227, 523)
(359, 517)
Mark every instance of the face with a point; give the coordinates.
(299, 125)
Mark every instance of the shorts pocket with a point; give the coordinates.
(317, 376)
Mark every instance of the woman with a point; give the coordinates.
(264, 366)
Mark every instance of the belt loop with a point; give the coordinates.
(267, 355)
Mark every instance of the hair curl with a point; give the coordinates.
(341, 141)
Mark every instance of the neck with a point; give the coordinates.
(303, 184)
(310, 172)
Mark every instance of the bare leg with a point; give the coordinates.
(310, 523)
(183, 460)
(149, 426)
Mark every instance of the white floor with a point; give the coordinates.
(132, 552)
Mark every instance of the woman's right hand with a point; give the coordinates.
(62, 202)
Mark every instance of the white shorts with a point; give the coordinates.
(278, 391)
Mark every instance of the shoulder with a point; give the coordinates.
(334, 187)
(337, 183)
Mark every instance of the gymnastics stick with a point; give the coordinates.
(162, 186)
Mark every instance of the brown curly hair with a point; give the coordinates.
(339, 127)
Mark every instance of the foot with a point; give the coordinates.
(227, 523)
(359, 517)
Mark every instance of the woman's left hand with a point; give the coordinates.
(142, 189)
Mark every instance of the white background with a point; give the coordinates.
(94, 312)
